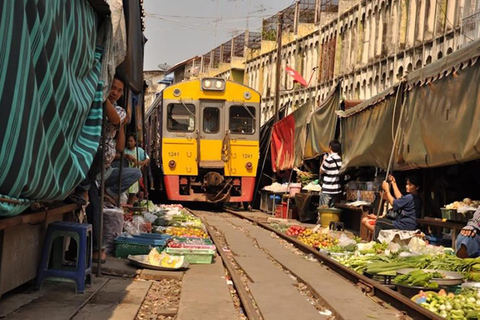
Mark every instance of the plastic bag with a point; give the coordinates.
(112, 227)
(344, 241)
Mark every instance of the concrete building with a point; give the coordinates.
(368, 44)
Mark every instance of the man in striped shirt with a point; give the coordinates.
(330, 171)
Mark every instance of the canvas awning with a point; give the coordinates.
(440, 122)
(368, 132)
(288, 139)
(323, 123)
(442, 117)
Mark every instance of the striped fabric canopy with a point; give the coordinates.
(50, 123)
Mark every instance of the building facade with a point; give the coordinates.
(369, 45)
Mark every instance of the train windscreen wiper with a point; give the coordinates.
(251, 115)
(186, 108)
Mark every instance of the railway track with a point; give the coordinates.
(260, 262)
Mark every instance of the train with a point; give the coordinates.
(203, 141)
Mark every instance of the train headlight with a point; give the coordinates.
(213, 84)
(207, 84)
(249, 166)
(172, 164)
(219, 84)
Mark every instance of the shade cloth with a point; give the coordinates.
(288, 139)
(322, 126)
(49, 78)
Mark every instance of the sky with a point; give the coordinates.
(181, 29)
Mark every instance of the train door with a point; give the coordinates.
(211, 134)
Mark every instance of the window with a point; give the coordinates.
(211, 120)
(181, 117)
(242, 119)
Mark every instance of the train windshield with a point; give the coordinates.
(211, 120)
(181, 117)
(242, 119)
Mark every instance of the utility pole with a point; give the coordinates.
(278, 66)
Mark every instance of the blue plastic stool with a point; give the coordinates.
(53, 248)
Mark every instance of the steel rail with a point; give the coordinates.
(382, 292)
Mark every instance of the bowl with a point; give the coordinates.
(410, 291)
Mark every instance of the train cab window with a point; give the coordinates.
(211, 120)
(181, 117)
(242, 119)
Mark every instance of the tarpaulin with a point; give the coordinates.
(49, 78)
(441, 124)
(288, 139)
(367, 133)
(112, 37)
(131, 70)
(322, 126)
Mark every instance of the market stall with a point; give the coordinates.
(165, 237)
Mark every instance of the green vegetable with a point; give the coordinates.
(417, 278)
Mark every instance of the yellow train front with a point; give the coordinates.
(210, 140)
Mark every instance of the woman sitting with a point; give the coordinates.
(406, 208)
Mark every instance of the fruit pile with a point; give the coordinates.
(317, 240)
(295, 231)
(186, 232)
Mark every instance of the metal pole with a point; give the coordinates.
(102, 193)
(278, 66)
(144, 134)
(127, 101)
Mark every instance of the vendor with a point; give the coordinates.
(467, 244)
(330, 171)
(406, 208)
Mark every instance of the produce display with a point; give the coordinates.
(187, 238)
(186, 232)
(466, 203)
(295, 230)
(317, 240)
(465, 305)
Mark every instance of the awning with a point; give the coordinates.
(442, 117)
(288, 139)
(367, 135)
(51, 100)
(131, 70)
(323, 123)
(440, 121)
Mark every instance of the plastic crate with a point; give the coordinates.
(195, 243)
(136, 245)
(193, 256)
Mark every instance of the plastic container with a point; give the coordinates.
(329, 215)
(193, 256)
(294, 188)
(449, 214)
(284, 213)
(138, 244)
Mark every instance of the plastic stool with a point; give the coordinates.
(334, 225)
(53, 248)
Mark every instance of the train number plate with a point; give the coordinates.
(173, 154)
(247, 156)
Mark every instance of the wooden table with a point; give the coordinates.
(436, 222)
(355, 223)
